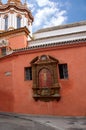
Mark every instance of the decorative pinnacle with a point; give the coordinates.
(25, 2)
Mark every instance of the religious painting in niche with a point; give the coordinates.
(45, 78)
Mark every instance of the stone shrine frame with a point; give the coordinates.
(45, 79)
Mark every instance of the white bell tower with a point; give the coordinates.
(15, 15)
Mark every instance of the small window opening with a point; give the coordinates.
(6, 22)
(28, 73)
(63, 71)
(3, 51)
(18, 22)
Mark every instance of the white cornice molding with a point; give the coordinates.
(57, 39)
(64, 31)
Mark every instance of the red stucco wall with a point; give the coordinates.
(20, 100)
(6, 87)
(19, 41)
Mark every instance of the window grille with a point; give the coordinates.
(63, 71)
(28, 73)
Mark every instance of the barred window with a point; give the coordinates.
(28, 73)
(63, 71)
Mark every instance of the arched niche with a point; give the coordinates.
(45, 78)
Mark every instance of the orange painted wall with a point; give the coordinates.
(73, 90)
(19, 41)
(6, 87)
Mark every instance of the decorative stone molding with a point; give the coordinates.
(3, 43)
(18, 15)
(11, 11)
(45, 79)
(15, 31)
(14, 1)
(11, 28)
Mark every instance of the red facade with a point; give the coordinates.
(16, 93)
(41, 73)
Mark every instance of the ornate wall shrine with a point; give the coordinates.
(45, 83)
